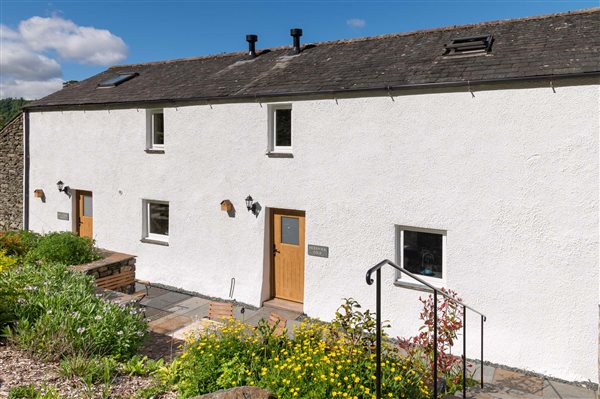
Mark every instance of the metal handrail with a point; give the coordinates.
(436, 291)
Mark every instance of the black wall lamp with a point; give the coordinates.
(63, 189)
(250, 204)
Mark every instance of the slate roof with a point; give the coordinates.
(545, 46)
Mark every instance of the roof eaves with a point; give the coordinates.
(386, 89)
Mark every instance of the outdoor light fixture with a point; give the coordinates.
(62, 188)
(250, 204)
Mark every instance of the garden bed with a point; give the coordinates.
(67, 339)
(17, 368)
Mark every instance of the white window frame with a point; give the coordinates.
(150, 131)
(399, 240)
(272, 109)
(146, 221)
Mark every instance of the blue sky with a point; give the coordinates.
(76, 39)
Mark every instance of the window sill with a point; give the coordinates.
(154, 151)
(276, 154)
(155, 242)
(413, 286)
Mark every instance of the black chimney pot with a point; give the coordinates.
(251, 39)
(296, 33)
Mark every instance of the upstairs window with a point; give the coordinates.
(469, 45)
(280, 128)
(155, 140)
(421, 252)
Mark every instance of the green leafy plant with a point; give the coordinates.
(141, 366)
(57, 314)
(64, 247)
(18, 243)
(356, 326)
(89, 369)
(6, 262)
(31, 392)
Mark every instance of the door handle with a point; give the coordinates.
(275, 251)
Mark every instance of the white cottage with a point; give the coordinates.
(467, 154)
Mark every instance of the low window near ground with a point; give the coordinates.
(421, 252)
(156, 220)
(155, 129)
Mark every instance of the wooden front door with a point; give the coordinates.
(85, 214)
(288, 254)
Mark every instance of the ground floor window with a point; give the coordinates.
(156, 220)
(421, 252)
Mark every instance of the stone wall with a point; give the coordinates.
(111, 264)
(11, 175)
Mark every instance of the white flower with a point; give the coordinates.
(75, 314)
(119, 332)
(49, 312)
(140, 333)
(98, 317)
(80, 330)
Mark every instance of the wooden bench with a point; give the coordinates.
(117, 280)
(278, 322)
(220, 310)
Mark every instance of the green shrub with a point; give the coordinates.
(30, 392)
(6, 261)
(57, 314)
(18, 243)
(64, 247)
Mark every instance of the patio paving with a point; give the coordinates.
(174, 315)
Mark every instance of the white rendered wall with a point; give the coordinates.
(512, 175)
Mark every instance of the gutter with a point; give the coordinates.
(388, 89)
(25, 170)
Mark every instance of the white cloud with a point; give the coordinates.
(19, 62)
(27, 55)
(356, 23)
(83, 44)
(29, 89)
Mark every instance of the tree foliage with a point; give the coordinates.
(9, 108)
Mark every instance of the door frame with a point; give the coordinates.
(271, 214)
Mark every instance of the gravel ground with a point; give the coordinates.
(18, 368)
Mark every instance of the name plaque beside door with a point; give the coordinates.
(62, 215)
(318, 250)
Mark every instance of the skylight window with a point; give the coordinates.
(469, 45)
(117, 80)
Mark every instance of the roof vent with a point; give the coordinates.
(251, 39)
(117, 80)
(469, 45)
(296, 33)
